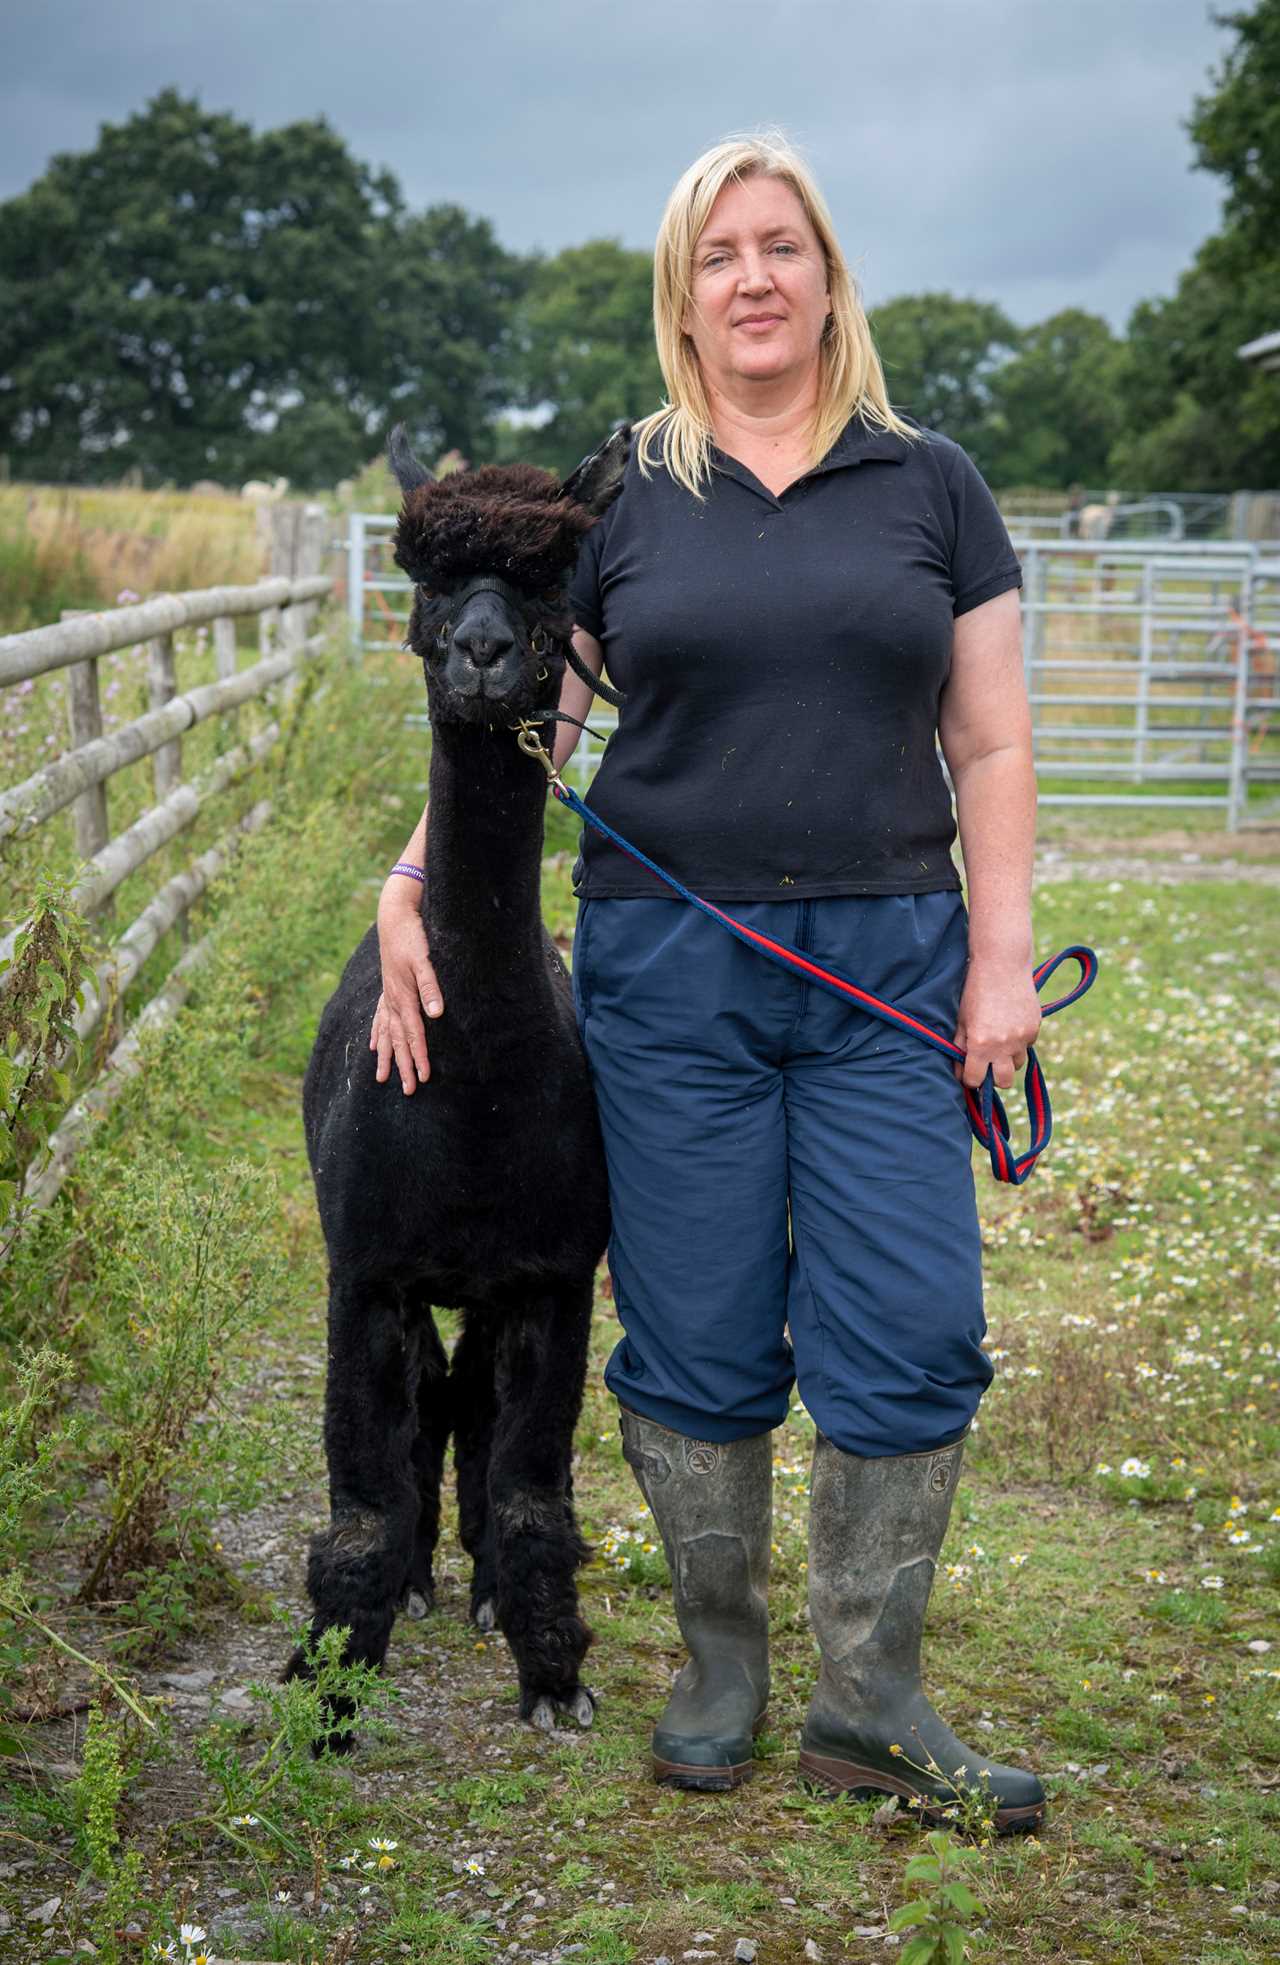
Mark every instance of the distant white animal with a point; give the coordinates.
(259, 492)
(1096, 520)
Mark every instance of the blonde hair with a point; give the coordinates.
(850, 377)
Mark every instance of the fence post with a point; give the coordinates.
(1142, 720)
(294, 634)
(89, 811)
(1031, 564)
(224, 659)
(162, 682)
(84, 720)
(268, 632)
(355, 583)
(1238, 788)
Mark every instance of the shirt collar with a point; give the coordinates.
(858, 443)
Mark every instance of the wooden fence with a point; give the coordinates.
(284, 607)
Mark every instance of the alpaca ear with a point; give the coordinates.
(409, 473)
(598, 479)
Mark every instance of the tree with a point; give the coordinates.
(192, 299)
(163, 294)
(449, 324)
(940, 355)
(1195, 414)
(1236, 130)
(586, 349)
(1055, 406)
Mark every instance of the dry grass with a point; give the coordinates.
(66, 547)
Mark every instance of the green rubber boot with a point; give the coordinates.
(875, 1529)
(713, 1503)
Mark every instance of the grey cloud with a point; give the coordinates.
(1014, 149)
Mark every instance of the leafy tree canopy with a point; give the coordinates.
(195, 299)
(1236, 129)
(1055, 411)
(586, 348)
(940, 355)
(1195, 415)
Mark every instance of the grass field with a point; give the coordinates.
(1106, 1604)
(74, 547)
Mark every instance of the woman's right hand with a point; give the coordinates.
(409, 987)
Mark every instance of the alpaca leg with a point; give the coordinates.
(358, 1565)
(419, 1593)
(471, 1409)
(541, 1367)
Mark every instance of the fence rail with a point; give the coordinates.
(284, 608)
(37, 650)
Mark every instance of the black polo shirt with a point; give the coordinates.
(782, 660)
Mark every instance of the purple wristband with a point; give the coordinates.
(414, 873)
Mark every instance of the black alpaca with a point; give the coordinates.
(486, 1191)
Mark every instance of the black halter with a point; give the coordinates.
(489, 583)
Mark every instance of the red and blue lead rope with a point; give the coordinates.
(988, 1120)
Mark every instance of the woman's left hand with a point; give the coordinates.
(999, 1016)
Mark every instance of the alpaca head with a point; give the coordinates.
(490, 553)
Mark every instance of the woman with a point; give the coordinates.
(799, 593)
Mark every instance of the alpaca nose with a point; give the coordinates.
(484, 643)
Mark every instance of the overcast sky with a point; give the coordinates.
(1027, 152)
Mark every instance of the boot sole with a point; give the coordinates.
(864, 1783)
(706, 1780)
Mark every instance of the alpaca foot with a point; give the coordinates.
(579, 1705)
(484, 1613)
(417, 1600)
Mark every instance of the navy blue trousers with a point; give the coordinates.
(782, 1166)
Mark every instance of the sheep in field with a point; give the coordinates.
(485, 1192)
(259, 492)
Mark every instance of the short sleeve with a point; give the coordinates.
(983, 562)
(584, 587)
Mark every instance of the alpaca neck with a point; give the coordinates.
(482, 904)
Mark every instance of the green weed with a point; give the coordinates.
(940, 1918)
(288, 1787)
(42, 986)
(187, 1268)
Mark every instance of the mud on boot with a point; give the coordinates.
(875, 1529)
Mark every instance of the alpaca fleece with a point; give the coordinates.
(485, 1192)
(509, 520)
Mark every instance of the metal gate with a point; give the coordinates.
(1151, 666)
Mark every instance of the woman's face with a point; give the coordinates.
(759, 280)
